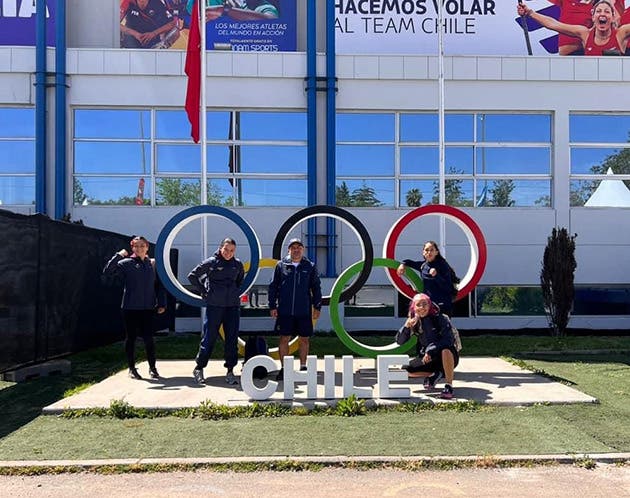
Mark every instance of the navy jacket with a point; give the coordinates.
(294, 290)
(434, 334)
(438, 288)
(142, 289)
(218, 280)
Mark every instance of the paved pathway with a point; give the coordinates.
(482, 379)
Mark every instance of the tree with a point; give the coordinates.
(342, 195)
(556, 279)
(215, 196)
(365, 196)
(414, 197)
(78, 195)
(501, 191)
(453, 192)
(175, 192)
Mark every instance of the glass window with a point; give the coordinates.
(112, 145)
(419, 160)
(17, 190)
(108, 191)
(272, 192)
(365, 160)
(177, 192)
(510, 160)
(172, 125)
(601, 301)
(610, 156)
(459, 128)
(416, 193)
(364, 193)
(509, 301)
(112, 157)
(419, 128)
(17, 156)
(602, 128)
(459, 160)
(362, 127)
(272, 159)
(476, 144)
(371, 300)
(178, 158)
(514, 128)
(513, 193)
(588, 161)
(278, 126)
(613, 193)
(219, 158)
(106, 123)
(17, 123)
(219, 124)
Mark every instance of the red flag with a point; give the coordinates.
(193, 71)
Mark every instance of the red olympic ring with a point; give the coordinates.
(478, 250)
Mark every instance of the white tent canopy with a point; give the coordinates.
(610, 193)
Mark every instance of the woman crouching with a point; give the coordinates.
(437, 356)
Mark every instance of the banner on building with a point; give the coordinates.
(17, 22)
(237, 25)
(471, 27)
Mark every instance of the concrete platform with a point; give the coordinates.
(52, 367)
(485, 380)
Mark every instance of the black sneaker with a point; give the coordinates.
(431, 380)
(280, 374)
(198, 375)
(303, 368)
(231, 379)
(133, 374)
(153, 373)
(447, 392)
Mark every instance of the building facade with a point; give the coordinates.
(526, 141)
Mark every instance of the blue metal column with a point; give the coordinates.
(311, 110)
(60, 111)
(40, 107)
(331, 135)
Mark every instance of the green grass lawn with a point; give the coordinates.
(485, 430)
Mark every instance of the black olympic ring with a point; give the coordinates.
(343, 215)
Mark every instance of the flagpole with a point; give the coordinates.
(442, 169)
(204, 140)
(202, 127)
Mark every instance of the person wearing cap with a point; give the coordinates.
(437, 354)
(218, 280)
(295, 299)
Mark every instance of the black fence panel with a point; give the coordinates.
(53, 298)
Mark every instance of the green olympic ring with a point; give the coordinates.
(350, 342)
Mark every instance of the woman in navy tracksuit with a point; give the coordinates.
(436, 276)
(222, 274)
(437, 355)
(142, 294)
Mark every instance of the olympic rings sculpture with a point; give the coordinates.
(478, 258)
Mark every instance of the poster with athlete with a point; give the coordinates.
(237, 25)
(483, 27)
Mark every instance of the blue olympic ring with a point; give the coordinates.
(170, 231)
